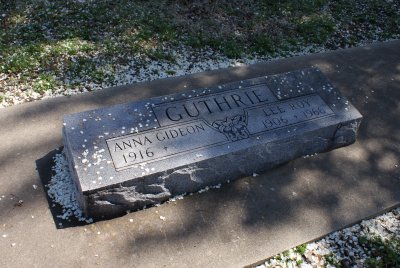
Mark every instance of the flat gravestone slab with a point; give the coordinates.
(142, 153)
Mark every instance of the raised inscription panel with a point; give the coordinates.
(163, 143)
(212, 126)
(141, 153)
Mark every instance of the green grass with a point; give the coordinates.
(78, 42)
(263, 44)
(170, 72)
(316, 28)
(384, 253)
(63, 36)
(381, 253)
(301, 249)
(160, 55)
(330, 259)
(44, 82)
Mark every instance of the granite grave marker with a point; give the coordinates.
(137, 154)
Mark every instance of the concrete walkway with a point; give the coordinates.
(240, 224)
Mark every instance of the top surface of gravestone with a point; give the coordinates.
(132, 140)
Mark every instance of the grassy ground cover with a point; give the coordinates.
(49, 47)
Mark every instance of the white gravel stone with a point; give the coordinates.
(345, 244)
(61, 190)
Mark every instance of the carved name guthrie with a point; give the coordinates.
(215, 104)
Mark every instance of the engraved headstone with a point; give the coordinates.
(142, 153)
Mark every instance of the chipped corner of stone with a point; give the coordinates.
(345, 133)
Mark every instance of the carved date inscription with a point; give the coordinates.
(285, 113)
(163, 143)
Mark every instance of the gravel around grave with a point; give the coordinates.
(371, 243)
(61, 190)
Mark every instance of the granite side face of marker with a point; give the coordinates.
(142, 153)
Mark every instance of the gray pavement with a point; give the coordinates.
(240, 224)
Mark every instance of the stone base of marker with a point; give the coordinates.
(138, 154)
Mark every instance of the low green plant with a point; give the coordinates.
(263, 44)
(170, 72)
(44, 82)
(385, 253)
(160, 55)
(330, 259)
(232, 48)
(363, 240)
(195, 41)
(301, 249)
(316, 28)
(286, 253)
